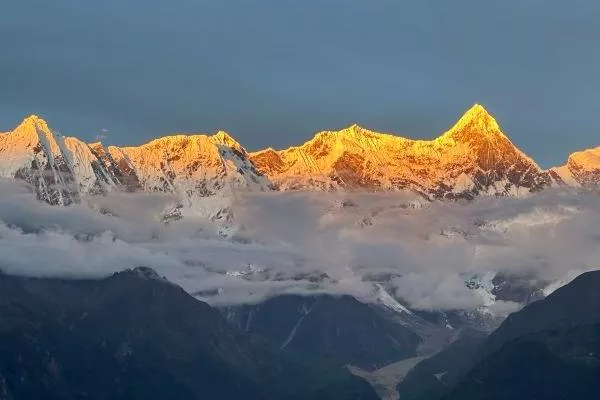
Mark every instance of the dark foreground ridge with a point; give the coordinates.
(136, 336)
(548, 350)
(337, 328)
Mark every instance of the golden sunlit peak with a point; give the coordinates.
(351, 129)
(476, 122)
(224, 138)
(354, 130)
(477, 112)
(34, 121)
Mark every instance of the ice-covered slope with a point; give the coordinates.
(60, 168)
(190, 164)
(582, 168)
(473, 157)
(201, 171)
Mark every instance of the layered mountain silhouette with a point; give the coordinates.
(431, 378)
(80, 339)
(136, 336)
(473, 158)
(337, 328)
(548, 350)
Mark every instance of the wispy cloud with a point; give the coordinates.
(309, 243)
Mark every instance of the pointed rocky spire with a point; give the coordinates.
(27, 134)
(355, 128)
(479, 115)
(477, 110)
(475, 124)
(224, 138)
(32, 123)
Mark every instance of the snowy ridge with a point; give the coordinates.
(385, 299)
(61, 169)
(204, 172)
(582, 169)
(473, 158)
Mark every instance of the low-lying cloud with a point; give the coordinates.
(311, 243)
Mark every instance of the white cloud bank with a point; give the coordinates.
(310, 243)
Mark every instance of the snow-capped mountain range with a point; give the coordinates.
(192, 167)
(397, 252)
(473, 158)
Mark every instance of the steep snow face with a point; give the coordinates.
(205, 171)
(582, 169)
(61, 169)
(473, 157)
(201, 171)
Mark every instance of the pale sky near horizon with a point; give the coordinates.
(273, 72)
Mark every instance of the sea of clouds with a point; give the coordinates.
(308, 243)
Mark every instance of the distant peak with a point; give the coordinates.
(478, 113)
(354, 129)
(268, 150)
(34, 120)
(476, 123)
(224, 138)
(477, 109)
(32, 125)
(140, 272)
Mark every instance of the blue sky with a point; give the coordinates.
(272, 72)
